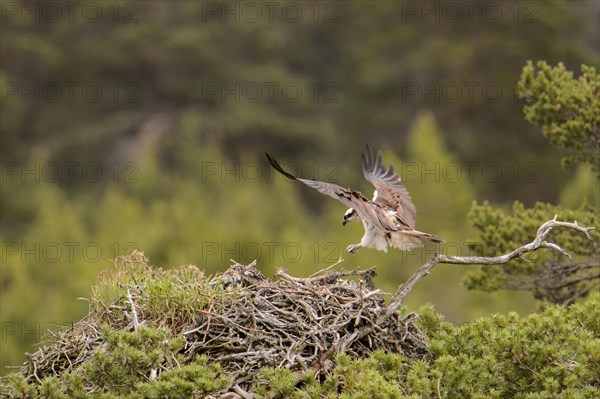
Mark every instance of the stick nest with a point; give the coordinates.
(238, 318)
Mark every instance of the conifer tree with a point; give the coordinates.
(568, 110)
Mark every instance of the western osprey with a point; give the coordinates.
(388, 219)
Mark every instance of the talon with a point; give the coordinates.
(351, 249)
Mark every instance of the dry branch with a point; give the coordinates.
(537, 243)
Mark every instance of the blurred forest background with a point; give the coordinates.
(143, 125)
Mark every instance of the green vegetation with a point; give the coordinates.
(566, 108)
(183, 179)
(554, 353)
(550, 275)
(568, 111)
(121, 369)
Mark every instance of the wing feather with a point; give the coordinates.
(352, 199)
(391, 192)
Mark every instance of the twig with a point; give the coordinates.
(133, 311)
(242, 393)
(340, 260)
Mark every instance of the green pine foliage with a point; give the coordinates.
(568, 109)
(569, 112)
(123, 369)
(552, 354)
(550, 275)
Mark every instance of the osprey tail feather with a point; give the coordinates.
(422, 235)
(408, 240)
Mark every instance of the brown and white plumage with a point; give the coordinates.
(388, 219)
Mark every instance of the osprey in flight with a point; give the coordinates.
(388, 219)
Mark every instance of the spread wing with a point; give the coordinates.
(390, 191)
(352, 199)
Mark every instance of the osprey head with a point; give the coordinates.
(349, 216)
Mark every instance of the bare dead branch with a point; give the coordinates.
(404, 289)
(134, 315)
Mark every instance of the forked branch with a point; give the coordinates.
(536, 244)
